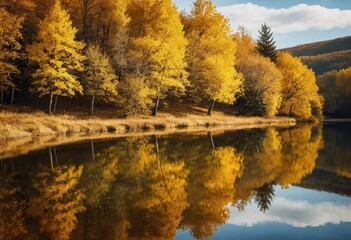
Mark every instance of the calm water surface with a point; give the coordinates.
(273, 183)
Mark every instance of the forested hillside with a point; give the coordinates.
(331, 62)
(324, 56)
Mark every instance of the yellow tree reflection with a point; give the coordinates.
(155, 192)
(210, 188)
(58, 200)
(300, 151)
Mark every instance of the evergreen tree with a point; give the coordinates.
(100, 80)
(266, 44)
(58, 56)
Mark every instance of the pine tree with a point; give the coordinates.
(100, 80)
(211, 55)
(266, 44)
(10, 47)
(58, 56)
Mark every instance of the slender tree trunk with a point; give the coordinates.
(211, 140)
(55, 103)
(210, 109)
(157, 102)
(92, 106)
(51, 160)
(50, 103)
(92, 150)
(12, 95)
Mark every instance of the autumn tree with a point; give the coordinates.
(119, 37)
(100, 79)
(299, 88)
(157, 48)
(58, 56)
(266, 44)
(262, 80)
(211, 55)
(10, 46)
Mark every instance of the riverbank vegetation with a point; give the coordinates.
(133, 55)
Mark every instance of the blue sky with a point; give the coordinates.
(293, 22)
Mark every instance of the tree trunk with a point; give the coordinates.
(211, 140)
(12, 95)
(51, 160)
(210, 109)
(50, 103)
(154, 113)
(92, 150)
(55, 104)
(92, 106)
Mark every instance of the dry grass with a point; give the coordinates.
(24, 125)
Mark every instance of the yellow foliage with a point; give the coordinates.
(157, 46)
(100, 80)
(262, 80)
(299, 88)
(211, 54)
(57, 54)
(10, 35)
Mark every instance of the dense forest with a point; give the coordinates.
(331, 61)
(134, 55)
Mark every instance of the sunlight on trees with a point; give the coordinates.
(299, 89)
(211, 55)
(58, 56)
(10, 46)
(262, 80)
(100, 80)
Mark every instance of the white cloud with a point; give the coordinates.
(298, 18)
(294, 213)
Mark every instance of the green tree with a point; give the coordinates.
(211, 55)
(58, 56)
(100, 80)
(266, 44)
(262, 79)
(10, 35)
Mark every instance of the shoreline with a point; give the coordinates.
(14, 126)
(39, 131)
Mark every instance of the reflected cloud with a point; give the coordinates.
(294, 213)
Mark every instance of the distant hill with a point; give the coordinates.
(324, 56)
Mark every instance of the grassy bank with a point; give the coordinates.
(32, 125)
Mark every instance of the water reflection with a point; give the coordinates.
(150, 187)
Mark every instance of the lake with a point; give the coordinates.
(269, 183)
